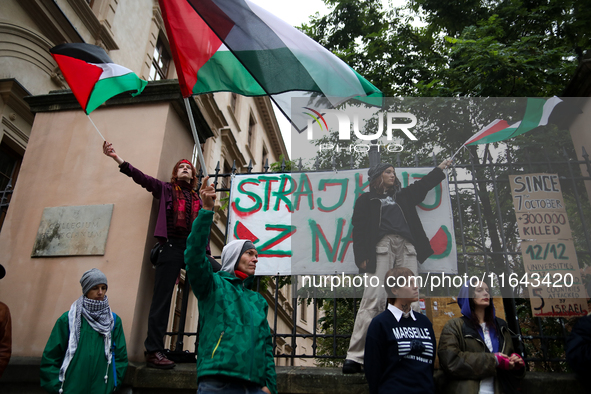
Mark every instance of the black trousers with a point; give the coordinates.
(170, 262)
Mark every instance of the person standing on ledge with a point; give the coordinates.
(179, 205)
(235, 345)
(387, 233)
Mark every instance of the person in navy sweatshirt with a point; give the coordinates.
(400, 345)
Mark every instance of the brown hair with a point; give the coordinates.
(390, 285)
(489, 316)
(175, 170)
(377, 184)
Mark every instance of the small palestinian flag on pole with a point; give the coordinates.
(92, 75)
(537, 113)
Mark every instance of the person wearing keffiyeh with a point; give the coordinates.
(178, 208)
(86, 350)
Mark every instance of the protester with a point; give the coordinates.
(5, 331)
(179, 205)
(86, 350)
(476, 350)
(578, 350)
(235, 346)
(400, 345)
(387, 233)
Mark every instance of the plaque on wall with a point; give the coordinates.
(73, 231)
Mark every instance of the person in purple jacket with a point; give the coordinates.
(179, 206)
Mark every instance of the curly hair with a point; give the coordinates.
(175, 170)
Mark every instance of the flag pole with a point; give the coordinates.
(96, 128)
(458, 151)
(195, 137)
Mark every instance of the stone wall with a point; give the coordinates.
(22, 376)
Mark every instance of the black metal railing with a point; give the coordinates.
(486, 236)
(5, 196)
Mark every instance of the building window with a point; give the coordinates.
(265, 156)
(304, 310)
(251, 126)
(160, 62)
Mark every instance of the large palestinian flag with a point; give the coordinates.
(92, 75)
(537, 113)
(237, 46)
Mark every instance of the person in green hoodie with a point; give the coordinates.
(86, 350)
(235, 350)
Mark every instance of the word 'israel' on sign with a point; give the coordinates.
(301, 222)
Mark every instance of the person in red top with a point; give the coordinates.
(179, 205)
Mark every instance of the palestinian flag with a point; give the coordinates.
(536, 114)
(237, 46)
(92, 75)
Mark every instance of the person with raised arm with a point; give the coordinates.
(179, 205)
(387, 233)
(235, 346)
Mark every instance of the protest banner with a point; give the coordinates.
(301, 222)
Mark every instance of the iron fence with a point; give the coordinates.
(486, 235)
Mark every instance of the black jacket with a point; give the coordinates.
(367, 214)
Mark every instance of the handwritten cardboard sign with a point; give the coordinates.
(552, 274)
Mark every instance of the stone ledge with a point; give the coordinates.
(22, 376)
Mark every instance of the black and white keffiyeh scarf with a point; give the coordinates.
(98, 315)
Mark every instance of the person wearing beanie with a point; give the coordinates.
(476, 350)
(235, 345)
(387, 233)
(86, 350)
(5, 331)
(179, 205)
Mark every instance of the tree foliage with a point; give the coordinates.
(459, 48)
(471, 48)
